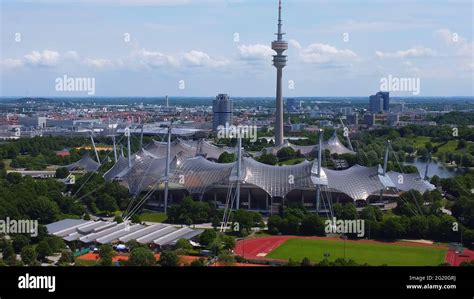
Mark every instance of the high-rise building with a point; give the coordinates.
(222, 108)
(279, 61)
(369, 119)
(375, 103)
(385, 95)
(380, 102)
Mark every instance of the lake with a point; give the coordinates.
(436, 168)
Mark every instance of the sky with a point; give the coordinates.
(151, 48)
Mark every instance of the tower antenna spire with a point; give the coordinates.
(279, 61)
(279, 20)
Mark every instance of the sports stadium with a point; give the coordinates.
(180, 168)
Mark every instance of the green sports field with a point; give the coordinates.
(361, 252)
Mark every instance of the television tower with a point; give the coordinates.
(279, 61)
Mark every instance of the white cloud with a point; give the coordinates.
(325, 54)
(11, 63)
(152, 59)
(198, 58)
(255, 52)
(99, 63)
(73, 55)
(44, 58)
(415, 52)
(461, 45)
(295, 44)
(449, 37)
(139, 58)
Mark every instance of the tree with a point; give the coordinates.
(198, 263)
(43, 209)
(246, 219)
(106, 203)
(184, 245)
(350, 212)
(106, 253)
(19, 242)
(417, 227)
(226, 259)
(28, 255)
(371, 213)
(286, 153)
(392, 228)
(293, 263)
(43, 250)
(141, 256)
(226, 157)
(312, 225)
(62, 173)
(132, 244)
(228, 242)
(191, 211)
(215, 247)
(207, 237)
(305, 262)
(268, 159)
(216, 222)
(66, 258)
(274, 224)
(56, 244)
(14, 178)
(8, 251)
(169, 259)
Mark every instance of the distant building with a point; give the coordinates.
(325, 123)
(60, 123)
(33, 121)
(386, 100)
(222, 108)
(380, 102)
(375, 103)
(398, 108)
(345, 111)
(353, 119)
(292, 105)
(393, 119)
(369, 119)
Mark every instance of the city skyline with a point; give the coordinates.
(381, 41)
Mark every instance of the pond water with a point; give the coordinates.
(435, 168)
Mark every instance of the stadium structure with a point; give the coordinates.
(180, 168)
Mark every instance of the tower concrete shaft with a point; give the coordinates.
(279, 61)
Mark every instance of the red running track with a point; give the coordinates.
(259, 248)
(454, 259)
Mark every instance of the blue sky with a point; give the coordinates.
(337, 47)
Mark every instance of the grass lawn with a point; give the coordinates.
(450, 146)
(292, 161)
(420, 141)
(370, 253)
(153, 217)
